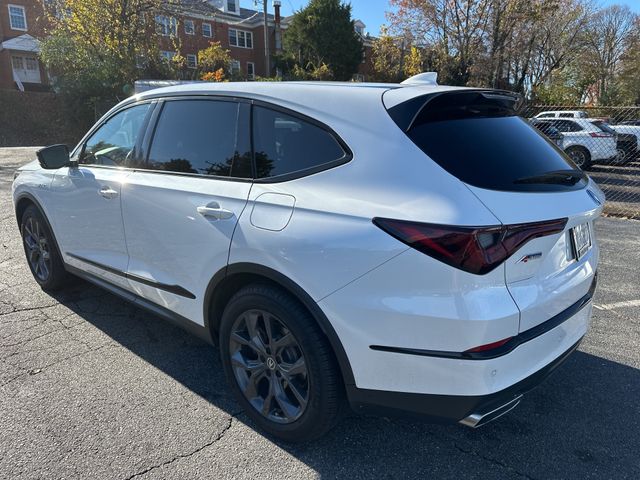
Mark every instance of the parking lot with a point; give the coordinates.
(91, 387)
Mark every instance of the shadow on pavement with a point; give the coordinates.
(581, 422)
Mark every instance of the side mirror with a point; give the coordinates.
(53, 157)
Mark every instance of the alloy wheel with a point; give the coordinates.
(269, 366)
(578, 157)
(37, 247)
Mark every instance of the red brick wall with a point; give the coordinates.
(191, 44)
(35, 28)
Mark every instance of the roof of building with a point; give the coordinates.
(23, 43)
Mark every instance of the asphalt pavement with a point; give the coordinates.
(91, 387)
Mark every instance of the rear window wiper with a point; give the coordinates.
(559, 177)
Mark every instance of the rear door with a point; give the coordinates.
(181, 206)
(523, 179)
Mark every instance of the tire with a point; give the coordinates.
(41, 251)
(580, 156)
(297, 365)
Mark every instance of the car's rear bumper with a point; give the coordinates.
(471, 410)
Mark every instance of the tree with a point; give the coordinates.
(323, 33)
(214, 63)
(386, 57)
(609, 35)
(96, 49)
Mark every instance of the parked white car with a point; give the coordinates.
(382, 262)
(563, 114)
(586, 141)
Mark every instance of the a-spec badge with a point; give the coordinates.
(529, 257)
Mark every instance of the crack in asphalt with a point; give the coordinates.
(491, 460)
(187, 455)
(53, 364)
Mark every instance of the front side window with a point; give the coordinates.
(17, 17)
(286, 144)
(114, 142)
(205, 137)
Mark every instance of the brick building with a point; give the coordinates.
(190, 29)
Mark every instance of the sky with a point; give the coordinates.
(371, 12)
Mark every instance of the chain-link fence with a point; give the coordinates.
(605, 141)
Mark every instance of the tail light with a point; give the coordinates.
(472, 249)
(600, 135)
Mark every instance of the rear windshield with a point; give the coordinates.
(479, 138)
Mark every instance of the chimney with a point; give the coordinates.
(278, 31)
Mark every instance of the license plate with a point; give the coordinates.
(581, 236)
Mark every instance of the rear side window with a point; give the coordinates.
(567, 126)
(285, 144)
(477, 137)
(205, 137)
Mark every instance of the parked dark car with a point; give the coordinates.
(627, 146)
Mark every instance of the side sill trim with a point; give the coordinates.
(175, 289)
(178, 320)
(508, 347)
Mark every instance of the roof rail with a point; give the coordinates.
(425, 78)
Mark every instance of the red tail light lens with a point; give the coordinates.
(472, 249)
(600, 135)
(490, 346)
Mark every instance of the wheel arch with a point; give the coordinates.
(226, 282)
(24, 201)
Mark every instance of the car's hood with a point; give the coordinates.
(29, 167)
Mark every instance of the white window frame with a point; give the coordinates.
(166, 26)
(167, 55)
(24, 17)
(195, 60)
(208, 25)
(237, 9)
(235, 66)
(252, 75)
(193, 27)
(246, 35)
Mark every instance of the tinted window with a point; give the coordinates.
(285, 144)
(206, 137)
(113, 143)
(566, 115)
(482, 144)
(567, 126)
(604, 127)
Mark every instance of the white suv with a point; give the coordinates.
(338, 242)
(585, 141)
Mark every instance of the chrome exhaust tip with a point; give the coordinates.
(478, 419)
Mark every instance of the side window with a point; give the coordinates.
(113, 143)
(566, 115)
(285, 144)
(206, 137)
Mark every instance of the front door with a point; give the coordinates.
(88, 214)
(181, 208)
(26, 68)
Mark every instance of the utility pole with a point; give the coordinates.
(267, 60)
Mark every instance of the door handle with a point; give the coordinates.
(214, 210)
(107, 192)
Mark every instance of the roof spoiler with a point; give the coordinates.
(413, 111)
